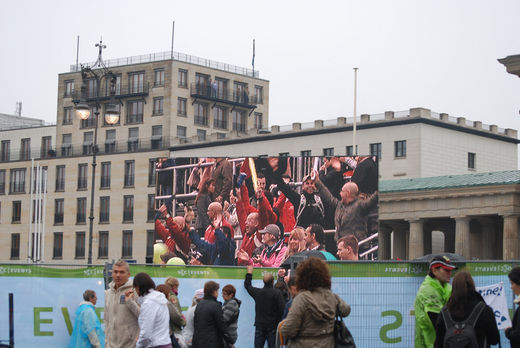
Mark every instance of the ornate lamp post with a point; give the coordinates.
(92, 98)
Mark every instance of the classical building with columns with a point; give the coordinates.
(474, 215)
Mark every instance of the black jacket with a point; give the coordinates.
(513, 333)
(485, 327)
(269, 304)
(209, 327)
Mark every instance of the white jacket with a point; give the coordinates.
(154, 320)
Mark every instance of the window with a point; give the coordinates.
(220, 119)
(158, 103)
(136, 82)
(17, 212)
(60, 178)
(329, 151)
(25, 149)
(156, 137)
(128, 208)
(150, 241)
(58, 211)
(5, 154)
(2, 181)
(400, 148)
(183, 78)
(350, 150)
(117, 86)
(90, 122)
(151, 207)
(88, 143)
(66, 145)
(221, 88)
(40, 180)
(82, 176)
(91, 88)
(37, 211)
(181, 106)
(133, 139)
(110, 141)
(239, 121)
(17, 181)
(158, 79)
(181, 132)
(201, 135)
(201, 113)
(106, 168)
(15, 246)
(46, 147)
(69, 88)
(240, 94)
(67, 115)
(375, 150)
(202, 83)
(104, 209)
(129, 173)
(127, 244)
(259, 120)
(80, 245)
(221, 135)
(306, 153)
(103, 245)
(472, 158)
(259, 94)
(81, 210)
(151, 172)
(57, 245)
(135, 112)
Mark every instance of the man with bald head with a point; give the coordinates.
(269, 307)
(215, 213)
(350, 215)
(174, 233)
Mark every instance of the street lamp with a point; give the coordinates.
(83, 106)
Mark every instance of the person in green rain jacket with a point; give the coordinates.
(433, 294)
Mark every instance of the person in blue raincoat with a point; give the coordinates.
(87, 327)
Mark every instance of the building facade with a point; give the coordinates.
(163, 101)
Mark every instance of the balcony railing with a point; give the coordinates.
(58, 219)
(124, 91)
(183, 57)
(105, 181)
(82, 183)
(206, 91)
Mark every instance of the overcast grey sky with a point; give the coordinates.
(441, 54)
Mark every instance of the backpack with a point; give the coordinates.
(461, 334)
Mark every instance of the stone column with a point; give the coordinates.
(489, 240)
(416, 243)
(462, 242)
(399, 244)
(384, 252)
(510, 249)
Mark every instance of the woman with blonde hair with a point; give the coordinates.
(296, 242)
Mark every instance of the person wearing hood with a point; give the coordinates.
(310, 322)
(121, 309)
(154, 318)
(87, 328)
(231, 309)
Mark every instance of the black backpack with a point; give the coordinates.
(461, 334)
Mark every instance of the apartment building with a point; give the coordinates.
(163, 100)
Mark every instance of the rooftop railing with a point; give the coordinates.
(182, 57)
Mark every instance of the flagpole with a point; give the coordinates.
(354, 147)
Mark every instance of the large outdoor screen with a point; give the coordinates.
(338, 194)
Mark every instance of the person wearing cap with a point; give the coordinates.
(269, 307)
(433, 294)
(513, 333)
(187, 332)
(274, 250)
(308, 207)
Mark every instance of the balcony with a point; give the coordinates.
(126, 91)
(224, 96)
